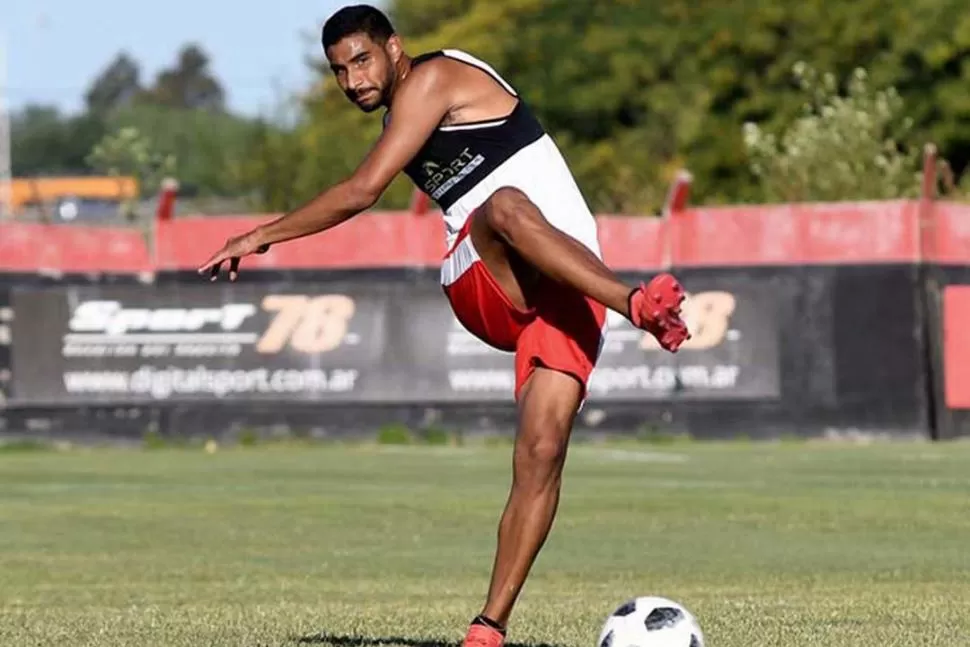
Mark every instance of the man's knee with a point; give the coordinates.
(547, 451)
(545, 429)
(508, 209)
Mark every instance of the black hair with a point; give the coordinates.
(357, 19)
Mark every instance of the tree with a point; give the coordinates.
(189, 84)
(208, 145)
(127, 152)
(272, 166)
(847, 146)
(118, 85)
(45, 142)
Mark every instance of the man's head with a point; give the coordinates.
(363, 52)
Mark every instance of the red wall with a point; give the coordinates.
(864, 232)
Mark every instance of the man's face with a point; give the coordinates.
(364, 70)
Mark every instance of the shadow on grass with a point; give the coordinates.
(370, 641)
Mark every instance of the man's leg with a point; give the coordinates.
(547, 407)
(515, 255)
(516, 220)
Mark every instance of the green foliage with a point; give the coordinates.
(188, 84)
(845, 146)
(395, 434)
(435, 436)
(285, 167)
(152, 440)
(117, 85)
(25, 446)
(127, 152)
(46, 142)
(206, 144)
(248, 438)
(635, 91)
(270, 168)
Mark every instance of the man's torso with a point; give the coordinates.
(462, 164)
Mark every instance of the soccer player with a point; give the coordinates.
(523, 271)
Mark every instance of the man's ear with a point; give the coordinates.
(394, 48)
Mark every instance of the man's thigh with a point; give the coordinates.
(566, 336)
(515, 277)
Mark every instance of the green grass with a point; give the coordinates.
(790, 544)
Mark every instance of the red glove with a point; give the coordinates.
(655, 307)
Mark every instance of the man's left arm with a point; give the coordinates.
(418, 108)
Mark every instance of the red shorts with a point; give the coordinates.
(563, 331)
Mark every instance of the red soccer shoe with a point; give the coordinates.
(655, 307)
(483, 636)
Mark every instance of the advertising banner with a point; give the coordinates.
(348, 343)
(733, 354)
(157, 343)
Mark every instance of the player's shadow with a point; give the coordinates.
(336, 640)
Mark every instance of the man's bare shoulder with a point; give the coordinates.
(430, 76)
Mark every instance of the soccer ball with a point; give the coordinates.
(651, 622)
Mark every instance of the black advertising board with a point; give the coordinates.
(733, 354)
(806, 351)
(451, 364)
(159, 343)
(352, 342)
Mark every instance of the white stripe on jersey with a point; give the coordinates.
(474, 126)
(465, 57)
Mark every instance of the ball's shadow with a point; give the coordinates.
(336, 640)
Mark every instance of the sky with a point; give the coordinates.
(54, 48)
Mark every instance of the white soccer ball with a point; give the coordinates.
(651, 622)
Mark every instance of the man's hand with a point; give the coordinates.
(234, 249)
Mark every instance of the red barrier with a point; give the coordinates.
(390, 239)
(949, 242)
(836, 233)
(33, 247)
(956, 346)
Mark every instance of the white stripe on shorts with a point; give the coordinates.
(459, 261)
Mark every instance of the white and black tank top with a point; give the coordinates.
(455, 158)
(461, 165)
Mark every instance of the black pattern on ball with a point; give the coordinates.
(608, 640)
(695, 641)
(662, 618)
(626, 609)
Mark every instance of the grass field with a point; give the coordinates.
(789, 544)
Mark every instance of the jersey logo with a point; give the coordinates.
(442, 178)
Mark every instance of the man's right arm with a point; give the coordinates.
(421, 103)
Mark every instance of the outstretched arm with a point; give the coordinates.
(420, 104)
